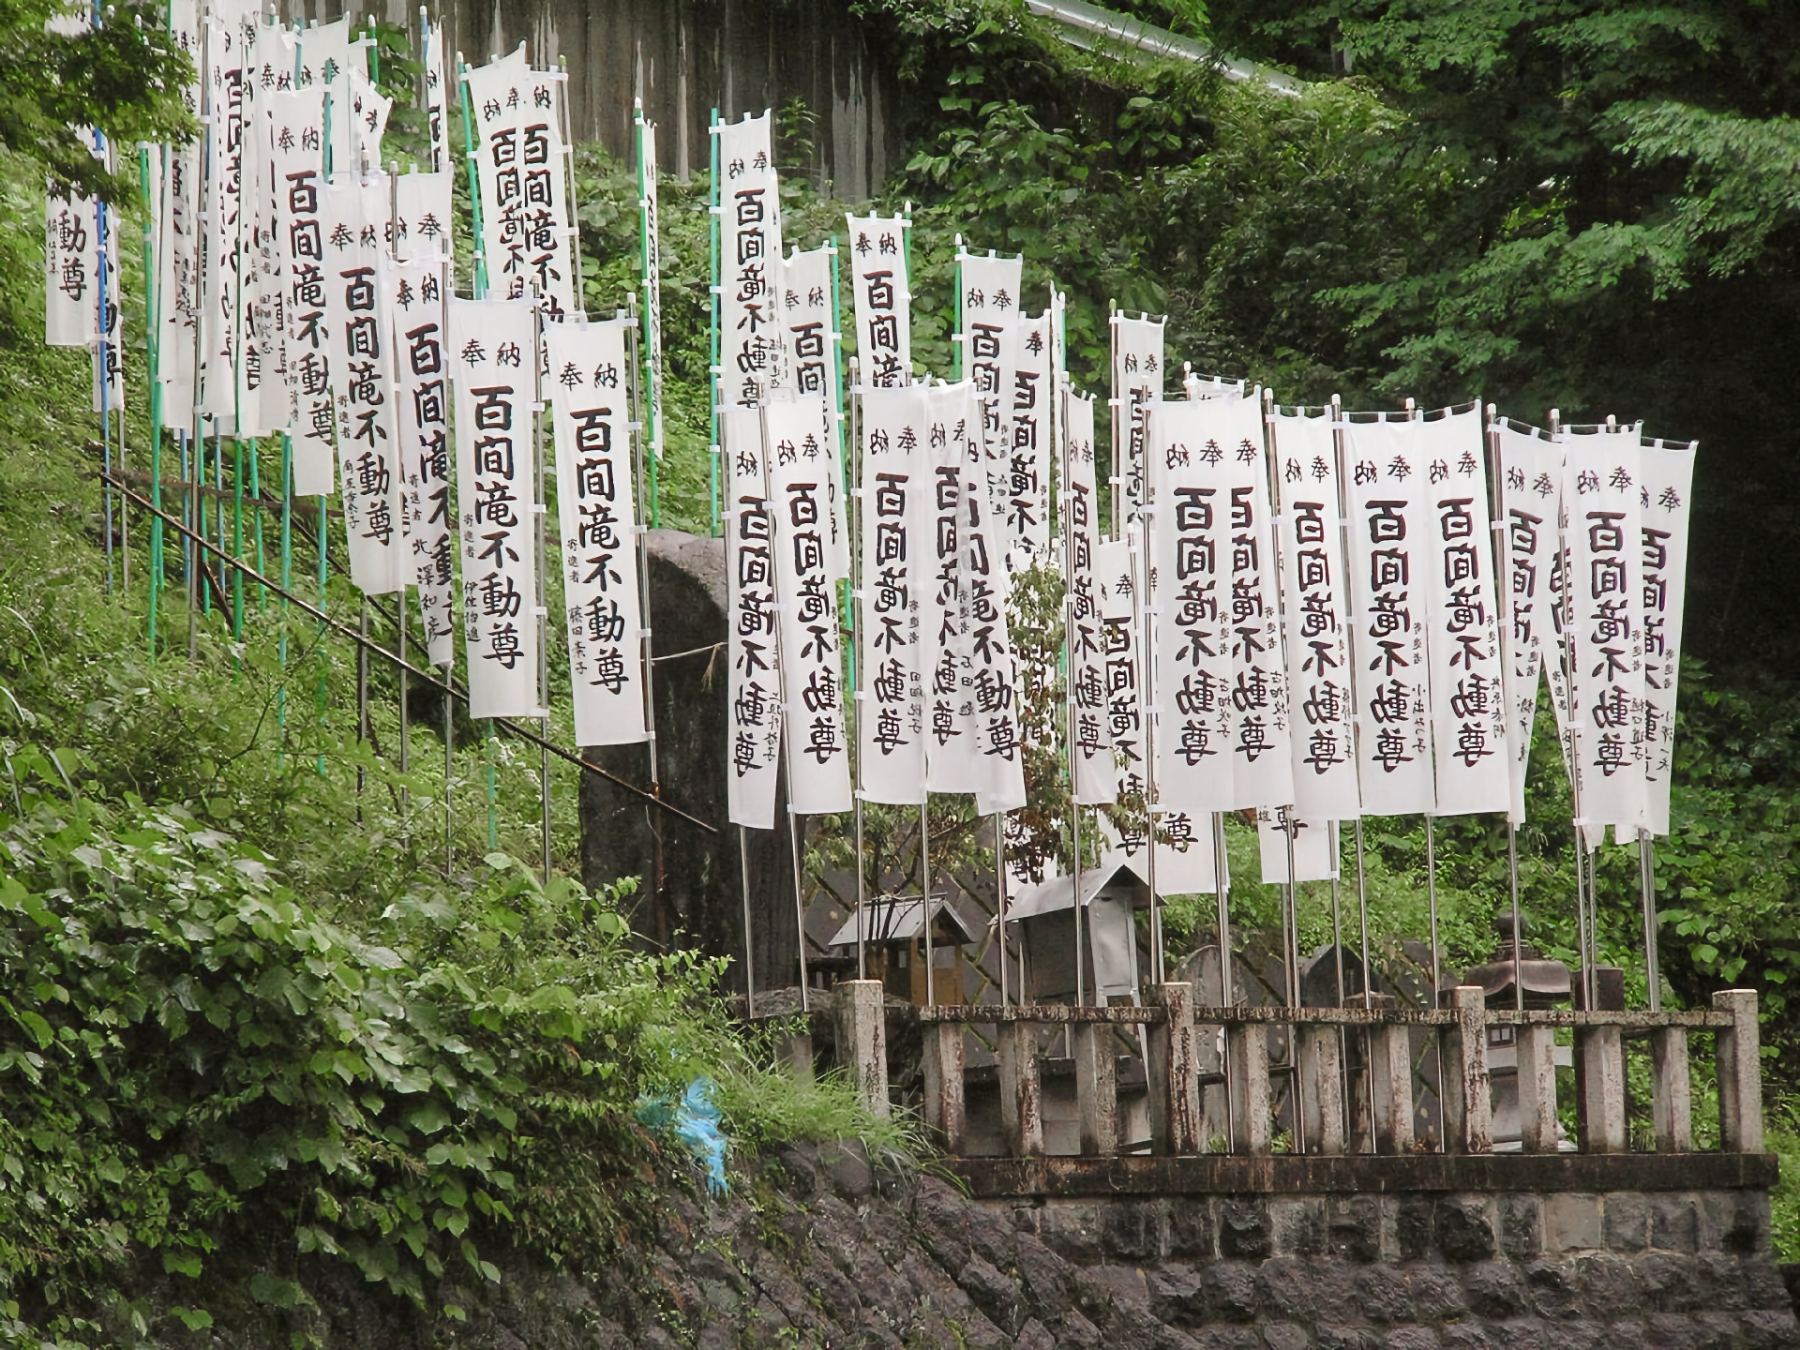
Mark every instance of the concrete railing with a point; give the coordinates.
(1332, 1116)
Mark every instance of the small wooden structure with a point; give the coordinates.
(1043, 917)
(894, 946)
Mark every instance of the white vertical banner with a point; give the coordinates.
(818, 759)
(895, 638)
(1602, 493)
(751, 640)
(1095, 774)
(1189, 615)
(298, 166)
(1390, 557)
(1120, 572)
(108, 355)
(262, 405)
(1315, 602)
(370, 474)
(221, 292)
(436, 94)
(650, 226)
(989, 307)
(1313, 860)
(70, 272)
(327, 50)
(361, 111)
(423, 217)
(751, 349)
(177, 241)
(1530, 503)
(527, 240)
(1030, 460)
(493, 345)
(1137, 379)
(416, 295)
(953, 457)
(1666, 480)
(882, 298)
(1468, 704)
(1262, 770)
(810, 342)
(589, 381)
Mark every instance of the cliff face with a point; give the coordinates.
(822, 1251)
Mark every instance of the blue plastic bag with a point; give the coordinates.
(695, 1119)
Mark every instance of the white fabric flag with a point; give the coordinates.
(263, 401)
(1120, 572)
(1315, 597)
(755, 673)
(1095, 773)
(1666, 479)
(597, 512)
(220, 341)
(108, 354)
(1137, 379)
(752, 353)
(897, 641)
(1602, 494)
(1261, 736)
(989, 308)
(70, 272)
(1468, 705)
(296, 121)
(1530, 502)
(818, 759)
(1189, 615)
(651, 228)
(436, 92)
(327, 50)
(415, 292)
(493, 346)
(883, 299)
(423, 217)
(178, 229)
(526, 235)
(1390, 554)
(953, 456)
(1313, 860)
(1030, 460)
(368, 440)
(810, 342)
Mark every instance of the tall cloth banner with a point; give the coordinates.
(493, 366)
(328, 50)
(752, 354)
(596, 505)
(1666, 479)
(810, 341)
(297, 121)
(527, 241)
(818, 758)
(755, 688)
(1530, 467)
(897, 643)
(416, 292)
(357, 315)
(267, 392)
(650, 228)
(70, 266)
(423, 216)
(1390, 561)
(1314, 859)
(953, 457)
(1094, 772)
(988, 302)
(1137, 378)
(1316, 608)
(177, 241)
(437, 91)
(882, 299)
(108, 363)
(221, 288)
(1468, 704)
(1031, 457)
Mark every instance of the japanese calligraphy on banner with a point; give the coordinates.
(436, 92)
(1027, 511)
(1530, 504)
(70, 263)
(327, 50)
(897, 642)
(297, 120)
(1190, 610)
(494, 370)
(818, 761)
(596, 509)
(176, 242)
(806, 286)
(1390, 559)
(751, 350)
(1137, 378)
(1262, 769)
(953, 456)
(1315, 597)
(755, 674)
(108, 363)
(882, 298)
(526, 237)
(1603, 494)
(1117, 566)
(1468, 705)
(1095, 773)
(416, 292)
(362, 382)
(650, 228)
(1313, 860)
(422, 216)
(1666, 479)
(989, 305)
(221, 289)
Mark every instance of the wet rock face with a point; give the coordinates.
(826, 1248)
